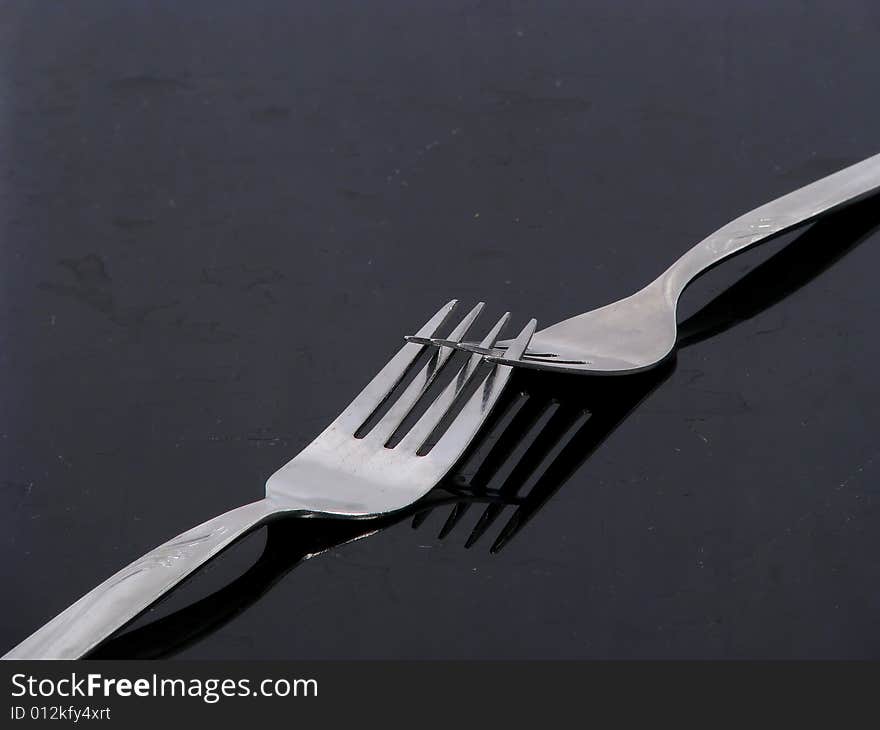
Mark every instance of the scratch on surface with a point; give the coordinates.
(522, 99)
(93, 287)
(243, 277)
(275, 113)
(132, 223)
(791, 528)
(146, 84)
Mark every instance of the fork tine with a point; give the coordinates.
(456, 438)
(371, 397)
(387, 425)
(423, 428)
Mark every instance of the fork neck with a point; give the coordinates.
(771, 219)
(726, 242)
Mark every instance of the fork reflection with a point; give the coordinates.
(545, 428)
(540, 434)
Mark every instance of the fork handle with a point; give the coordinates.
(800, 206)
(82, 626)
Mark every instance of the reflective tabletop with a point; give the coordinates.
(215, 226)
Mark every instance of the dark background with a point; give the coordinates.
(217, 219)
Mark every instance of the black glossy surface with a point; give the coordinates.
(217, 220)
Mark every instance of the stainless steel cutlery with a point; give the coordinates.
(397, 440)
(343, 473)
(639, 331)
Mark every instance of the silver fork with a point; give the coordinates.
(640, 331)
(338, 474)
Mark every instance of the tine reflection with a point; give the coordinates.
(517, 417)
(457, 512)
(546, 431)
(420, 517)
(584, 419)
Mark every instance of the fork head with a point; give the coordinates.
(627, 336)
(355, 469)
